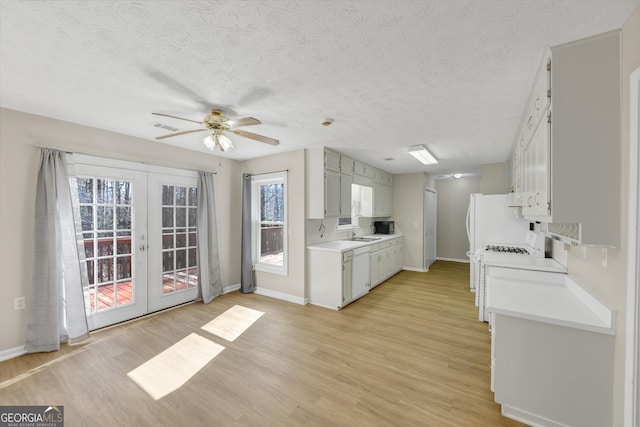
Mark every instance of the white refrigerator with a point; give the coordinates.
(491, 220)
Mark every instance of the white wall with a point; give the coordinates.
(19, 161)
(493, 179)
(292, 286)
(609, 284)
(453, 201)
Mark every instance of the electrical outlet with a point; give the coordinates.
(19, 303)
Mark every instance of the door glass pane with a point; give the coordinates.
(106, 214)
(179, 265)
(167, 217)
(167, 195)
(181, 196)
(104, 191)
(181, 217)
(123, 193)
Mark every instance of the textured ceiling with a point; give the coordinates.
(453, 75)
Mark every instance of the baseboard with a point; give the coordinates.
(279, 295)
(466, 261)
(231, 288)
(419, 270)
(528, 418)
(10, 353)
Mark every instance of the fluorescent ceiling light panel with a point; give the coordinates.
(421, 153)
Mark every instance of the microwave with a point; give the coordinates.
(384, 227)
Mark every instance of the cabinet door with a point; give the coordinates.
(387, 200)
(542, 195)
(331, 161)
(529, 160)
(346, 165)
(331, 194)
(374, 269)
(363, 169)
(345, 194)
(377, 199)
(346, 282)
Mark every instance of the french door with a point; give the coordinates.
(139, 235)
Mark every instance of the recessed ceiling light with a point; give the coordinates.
(327, 122)
(388, 159)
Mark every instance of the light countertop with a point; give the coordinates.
(347, 245)
(554, 299)
(523, 262)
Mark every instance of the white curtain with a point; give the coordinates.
(209, 280)
(56, 303)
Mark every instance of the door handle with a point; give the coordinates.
(142, 247)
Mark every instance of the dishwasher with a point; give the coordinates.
(360, 273)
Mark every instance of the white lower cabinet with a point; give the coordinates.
(334, 280)
(552, 349)
(329, 278)
(386, 260)
(550, 375)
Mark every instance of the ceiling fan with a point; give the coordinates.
(218, 124)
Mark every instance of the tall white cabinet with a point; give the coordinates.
(566, 157)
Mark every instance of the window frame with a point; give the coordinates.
(256, 182)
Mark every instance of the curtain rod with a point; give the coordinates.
(264, 173)
(113, 158)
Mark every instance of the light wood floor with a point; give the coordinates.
(408, 354)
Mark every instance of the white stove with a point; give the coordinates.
(532, 248)
(507, 249)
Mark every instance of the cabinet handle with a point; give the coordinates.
(537, 199)
(537, 103)
(529, 124)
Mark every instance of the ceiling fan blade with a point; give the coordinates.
(174, 117)
(180, 133)
(247, 121)
(257, 137)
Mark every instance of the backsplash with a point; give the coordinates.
(330, 232)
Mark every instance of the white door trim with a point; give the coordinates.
(632, 339)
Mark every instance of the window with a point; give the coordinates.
(269, 214)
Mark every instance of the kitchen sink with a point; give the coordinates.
(365, 239)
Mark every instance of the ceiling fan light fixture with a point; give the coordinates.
(209, 142)
(423, 155)
(224, 143)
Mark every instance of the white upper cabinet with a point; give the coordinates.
(363, 169)
(329, 178)
(346, 165)
(331, 161)
(568, 148)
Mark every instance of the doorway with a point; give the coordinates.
(139, 234)
(430, 226)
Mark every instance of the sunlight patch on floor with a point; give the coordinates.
(233, 322)
(172, 368)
